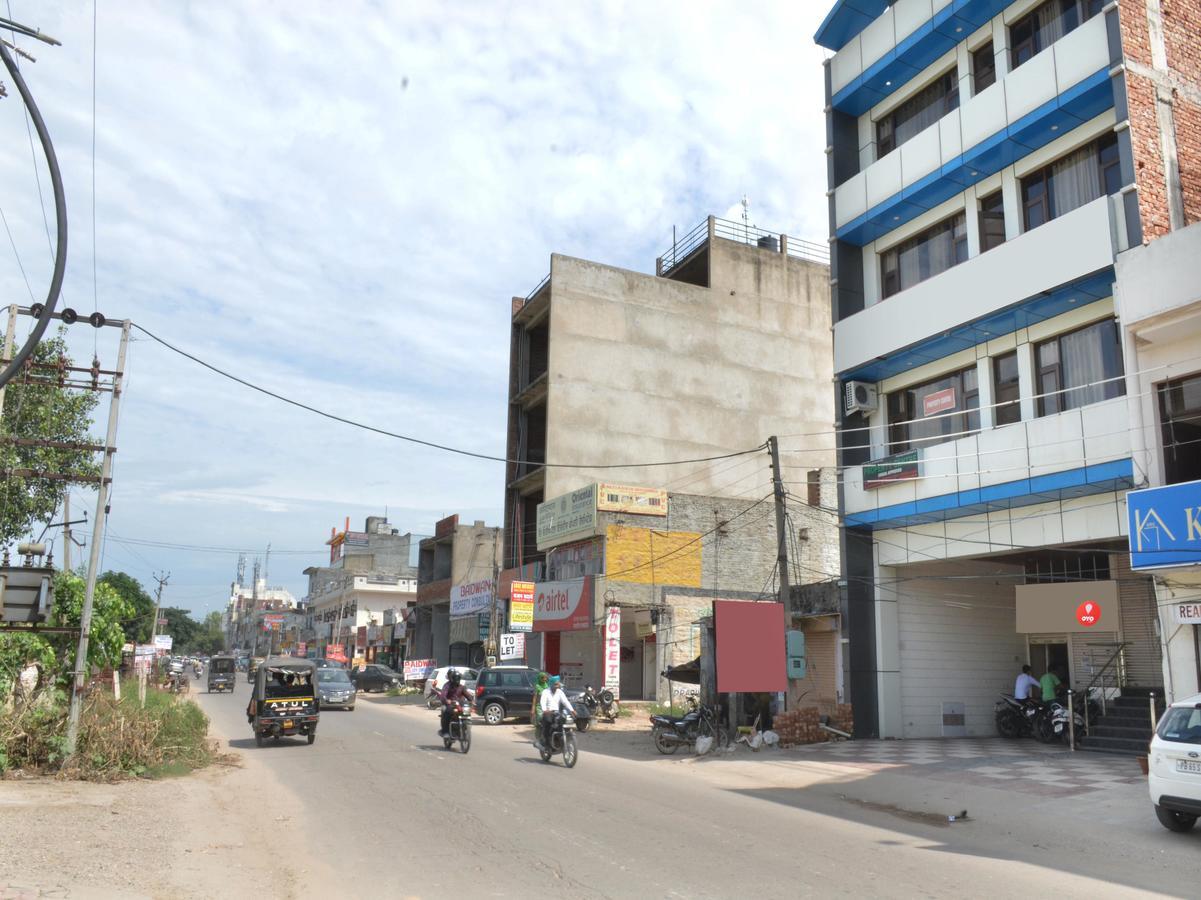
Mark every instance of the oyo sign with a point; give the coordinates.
(1088, 613)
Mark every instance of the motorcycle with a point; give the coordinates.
(562, 740)
(1051, 723)
(609, 706)
(671, 732)
(459, 727)
(178, 683)
(1015, 718)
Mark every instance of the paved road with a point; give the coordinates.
(390, 810)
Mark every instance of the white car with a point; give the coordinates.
(1174, 771)
(437, 681)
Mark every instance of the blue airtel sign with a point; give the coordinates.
(1165, 526)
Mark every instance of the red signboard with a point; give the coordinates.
(750, 646)
(938, 402)
(1088, 613)
(336, 653)
(563, 605)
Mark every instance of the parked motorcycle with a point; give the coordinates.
(1051, 723)
(609, 706)
(671, 732)
(178, 683)
(459, 727)
(562, 740)
(1015, 718)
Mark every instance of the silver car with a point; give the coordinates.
(335, 689)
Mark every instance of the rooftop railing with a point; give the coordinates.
(743, 233)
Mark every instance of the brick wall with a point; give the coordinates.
(1181, 27)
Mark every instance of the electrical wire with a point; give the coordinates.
(431, 444)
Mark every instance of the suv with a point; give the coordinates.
(375, 677)
(504, 691)
(1174, 775)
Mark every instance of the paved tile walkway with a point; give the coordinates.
(1022, 765)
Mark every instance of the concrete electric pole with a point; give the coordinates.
(773, 447)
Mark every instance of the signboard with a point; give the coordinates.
(163, 642)
(563, 605)
(336, 652)
(1165, 526)
(301, 649)
(612, 659)
(360, 638)
(473, 597)
(938, 402)
(419, 669)
(1058, 608)
(567, 518)
(572, 674)
(521, 606)
(898, 467)
(624, 498)
(512, 646)
(162, 620)
(1187, 613)
(576, 560)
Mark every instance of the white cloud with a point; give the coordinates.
(338, 203)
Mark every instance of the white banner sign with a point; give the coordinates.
(512, 646)
(163, 642)
(1187, 613)
(613, 650)
(566, 518)
(473, 597)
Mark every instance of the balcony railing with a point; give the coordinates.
(743, 233)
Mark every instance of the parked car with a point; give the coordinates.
(324, 663)
(375, 677)
(334, 688)
(1174, 769)
(437, 681)
(504, 691)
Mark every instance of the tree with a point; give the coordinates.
(210, 638)
(36, 406)
(138, 626)
(180, 625)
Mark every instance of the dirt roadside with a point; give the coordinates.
(213, 833)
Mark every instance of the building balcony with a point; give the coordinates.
(1044, 272)
(1059, 89)
(1070, 454)
(898, 44)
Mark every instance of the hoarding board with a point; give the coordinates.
(1165, 526)
(472, 597)
(563, 605)
(625, 498)
(163, 642)
(898, 467)
(521, 606)
(419, 669)
(567, 518)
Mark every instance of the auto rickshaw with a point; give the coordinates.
(222, 673)
(251, 667)
(284, 700)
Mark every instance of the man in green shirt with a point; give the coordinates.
(1051, 684)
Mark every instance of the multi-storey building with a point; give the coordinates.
(988, 160)
(614, 372)
(247, 605)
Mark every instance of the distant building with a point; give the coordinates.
(244, 612)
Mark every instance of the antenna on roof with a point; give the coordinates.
(746, 216)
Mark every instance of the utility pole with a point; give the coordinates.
(158, 602)
(67, 529)
(494, 619)
(773, 447)
(102, 490)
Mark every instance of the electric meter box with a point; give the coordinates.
(796, 653)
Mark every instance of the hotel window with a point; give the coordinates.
(917, 113)
(992, 222)
(1079, 368)
(1071, 181)
(1006, 394)
(984, 68)
(924, 255)
(1047, 24)
(1180, 415)
(939, 410)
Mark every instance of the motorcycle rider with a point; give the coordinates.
(452, 692)
(552, 702)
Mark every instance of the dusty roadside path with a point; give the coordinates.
(227, 831)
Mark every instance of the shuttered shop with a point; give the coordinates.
(1136, 594)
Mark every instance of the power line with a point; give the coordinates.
(431, 444)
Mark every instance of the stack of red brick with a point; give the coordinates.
(803, 726)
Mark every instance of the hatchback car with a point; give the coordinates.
(335, 689)
(1174, 770)
(437, 681)
(375, 677)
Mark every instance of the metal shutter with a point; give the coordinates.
(1136, 594)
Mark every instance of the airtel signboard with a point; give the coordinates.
(563, 605)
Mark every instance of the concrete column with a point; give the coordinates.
(987, 397)
(1000, 46)
(972, 222)
(1027, 382)
(1011, 196)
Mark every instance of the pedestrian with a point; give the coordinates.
(1051, 684)
(1025, 684)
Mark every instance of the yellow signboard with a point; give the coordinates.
(624, 498)
(646, 556)
(521, 606)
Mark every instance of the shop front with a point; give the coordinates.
(568, 620)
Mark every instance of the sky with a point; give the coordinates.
(338, 202)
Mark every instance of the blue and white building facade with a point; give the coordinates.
(981, 186)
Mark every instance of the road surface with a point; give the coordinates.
(386, 808)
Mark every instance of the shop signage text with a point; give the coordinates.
(1088, 613)
(566, 518)
(512, 646)
(521, 606)
(898, 467)
(612, 681)
(624, 498)
(163, 642)
(1187, 613)
(563, 605)
(1165, 526)
(473, 597)
(418, 669)
(938, 402)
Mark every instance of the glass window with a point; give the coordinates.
(939, 410)
(1181, 725)
(513, 679)
(984, 68)
(1071, 181)
(1180, 418)
(992, 222)
(1005, 389)
(924, 255)
(917, 113)
(1045, 25)
(1079, 368)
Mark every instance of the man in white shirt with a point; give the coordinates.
(1025, 684)
(553, 700)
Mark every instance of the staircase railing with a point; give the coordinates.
(1111, 669)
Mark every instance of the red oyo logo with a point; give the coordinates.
(1088, 613)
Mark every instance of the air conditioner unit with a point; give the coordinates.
(860, 397)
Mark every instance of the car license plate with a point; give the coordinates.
(1187, 765)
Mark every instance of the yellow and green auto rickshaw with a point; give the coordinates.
(284, 699)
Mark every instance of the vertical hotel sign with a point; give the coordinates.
(613, 650)
(521, 606)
